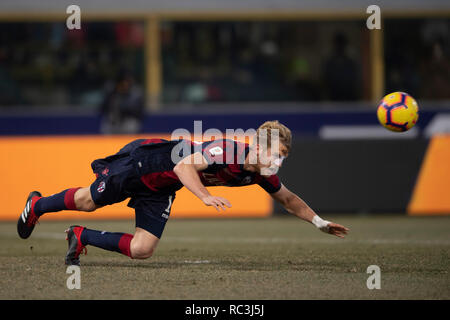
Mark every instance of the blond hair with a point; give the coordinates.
(284, 133)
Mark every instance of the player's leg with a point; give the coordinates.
(83, 200)
(79, 199)
(36, 205)
(151, 216)
(79, 237)
(152, 213)
(143, 244)
(104, 191)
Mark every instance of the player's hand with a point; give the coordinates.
(217, 202)
(335, 229)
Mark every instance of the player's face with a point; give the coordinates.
(269, 162)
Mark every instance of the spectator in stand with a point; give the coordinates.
(341, 75)
(122, 110)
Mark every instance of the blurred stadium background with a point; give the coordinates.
(145, 68)
(150, 67)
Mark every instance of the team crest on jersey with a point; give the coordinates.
(101, 186)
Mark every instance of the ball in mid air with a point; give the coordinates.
(398, 111)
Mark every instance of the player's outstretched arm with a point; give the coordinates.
(187, 171)
(296, 206)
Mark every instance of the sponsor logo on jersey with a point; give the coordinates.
(246, 180)
(216, 151)
(105, 171)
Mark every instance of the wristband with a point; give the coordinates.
(319, 222)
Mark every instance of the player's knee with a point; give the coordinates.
(89, 207)
(83, 200)
(141, 251)
(86, 205)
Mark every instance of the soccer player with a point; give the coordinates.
(149, 172)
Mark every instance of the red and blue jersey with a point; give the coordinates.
(156, 158)
(226, 166)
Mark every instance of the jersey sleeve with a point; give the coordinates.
(271, 184)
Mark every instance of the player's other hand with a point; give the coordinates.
(217, 202)
(336, 229)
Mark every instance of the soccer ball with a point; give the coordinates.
(398, 111)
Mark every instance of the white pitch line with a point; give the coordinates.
(196, 261)
(257, 240)
(300, 241)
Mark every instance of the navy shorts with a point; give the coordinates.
(118, 180)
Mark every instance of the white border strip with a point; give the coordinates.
(333, 132)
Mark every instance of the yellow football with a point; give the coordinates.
(398, 111)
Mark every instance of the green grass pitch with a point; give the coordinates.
(274, 258)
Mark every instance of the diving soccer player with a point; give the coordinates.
(149, 172)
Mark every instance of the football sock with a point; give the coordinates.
(57, 202)
(112, 241)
